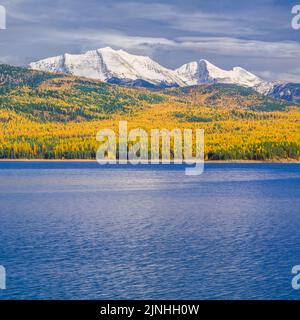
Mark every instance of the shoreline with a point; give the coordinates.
(284, 161)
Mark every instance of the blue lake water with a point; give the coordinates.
(83, 231)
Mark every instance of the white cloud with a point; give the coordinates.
(91, 39)
(288, 76)
(221, 45)
(235, 34)
(238, 47)
(222, 21)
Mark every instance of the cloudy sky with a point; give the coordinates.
(254, 34)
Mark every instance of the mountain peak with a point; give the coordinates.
(204, 62)
(111, 65)
(239, 69)
(119, 66)
(204, 72)
(106, 49)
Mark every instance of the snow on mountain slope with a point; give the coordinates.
(107, 64)
(287, 91)
(120, 67)
(202, 71)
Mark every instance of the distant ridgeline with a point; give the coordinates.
(123, 68)
(54, 116)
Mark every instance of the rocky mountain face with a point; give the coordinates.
(120, 67)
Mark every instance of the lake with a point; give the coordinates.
(78, 230)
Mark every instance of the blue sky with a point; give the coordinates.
(254, 34)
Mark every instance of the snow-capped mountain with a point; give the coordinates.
(120, 67)
(116, 66)
(286, 91)
(204, 72)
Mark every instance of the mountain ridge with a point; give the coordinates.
(123, 68)
(106, 64)
(59, 97)
(57, 116)
(202, 72)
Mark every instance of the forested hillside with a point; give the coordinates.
(51, 116)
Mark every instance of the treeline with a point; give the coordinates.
(86, 148)
(260, 151)
(48, 116)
